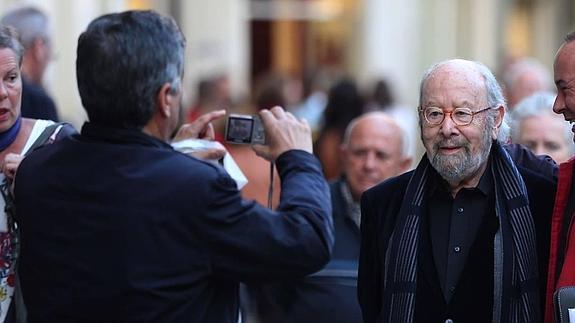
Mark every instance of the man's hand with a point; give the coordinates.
(10, 165)
(201, 128)
(201, 148)
(283, 132)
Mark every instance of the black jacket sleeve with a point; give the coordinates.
(249, 242)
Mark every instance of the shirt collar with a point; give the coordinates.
(352, 207)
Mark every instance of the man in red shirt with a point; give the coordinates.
(562, 251)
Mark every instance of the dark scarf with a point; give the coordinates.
(8, 136)
(515, 258)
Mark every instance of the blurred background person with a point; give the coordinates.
(524, 77)
(373, 149)
(274, 88)
(382, 98)
(344, 103)
(213, 93)
(536, 126)
(33, 28)
(316, 85)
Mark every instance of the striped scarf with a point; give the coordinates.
(515, 258)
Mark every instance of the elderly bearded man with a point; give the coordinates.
(461, 238)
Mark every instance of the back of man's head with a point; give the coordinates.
(30, 23)
(123, 59)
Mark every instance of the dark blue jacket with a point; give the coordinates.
(328, 296)
(118, 227)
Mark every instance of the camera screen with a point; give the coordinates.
(239, 130)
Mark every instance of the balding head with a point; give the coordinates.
(491, 88)
(374, 149)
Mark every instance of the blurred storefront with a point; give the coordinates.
(367, 39)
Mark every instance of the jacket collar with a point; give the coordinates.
(97, 132)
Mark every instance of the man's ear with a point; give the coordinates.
(165, 100)
(405, 164)
(343, 152)
(35, 48)
(498, 121)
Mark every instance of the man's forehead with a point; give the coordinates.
(455, 74)
(374, 130)
(564, 64)
(466, 84)
(565, 53)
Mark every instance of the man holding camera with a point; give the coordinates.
(123, 228)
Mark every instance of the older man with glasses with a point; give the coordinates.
(463, 237)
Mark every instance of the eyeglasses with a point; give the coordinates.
(460, 116)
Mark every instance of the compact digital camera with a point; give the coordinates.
(245, 129)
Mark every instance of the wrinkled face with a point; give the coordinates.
(373, 154)
(564, 74)
(10, 89)
(545, 135)
(458, 153)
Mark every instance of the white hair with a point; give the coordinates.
(535, 105)
(495, 97)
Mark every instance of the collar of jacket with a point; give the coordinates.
(96, 132)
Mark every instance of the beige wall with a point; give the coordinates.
(394, 39)
(217, 37)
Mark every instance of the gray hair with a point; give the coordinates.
(569, 37)
(143, 47)
(404, 137)
(31, 23)
(495, 97)
(536, 105)
(9, 39)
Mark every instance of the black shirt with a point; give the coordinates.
(453, 226)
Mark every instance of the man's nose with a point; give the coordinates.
(539, 150)
(559, 104)
(370, 161)
(447, 127)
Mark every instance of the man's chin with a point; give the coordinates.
(367, 185)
